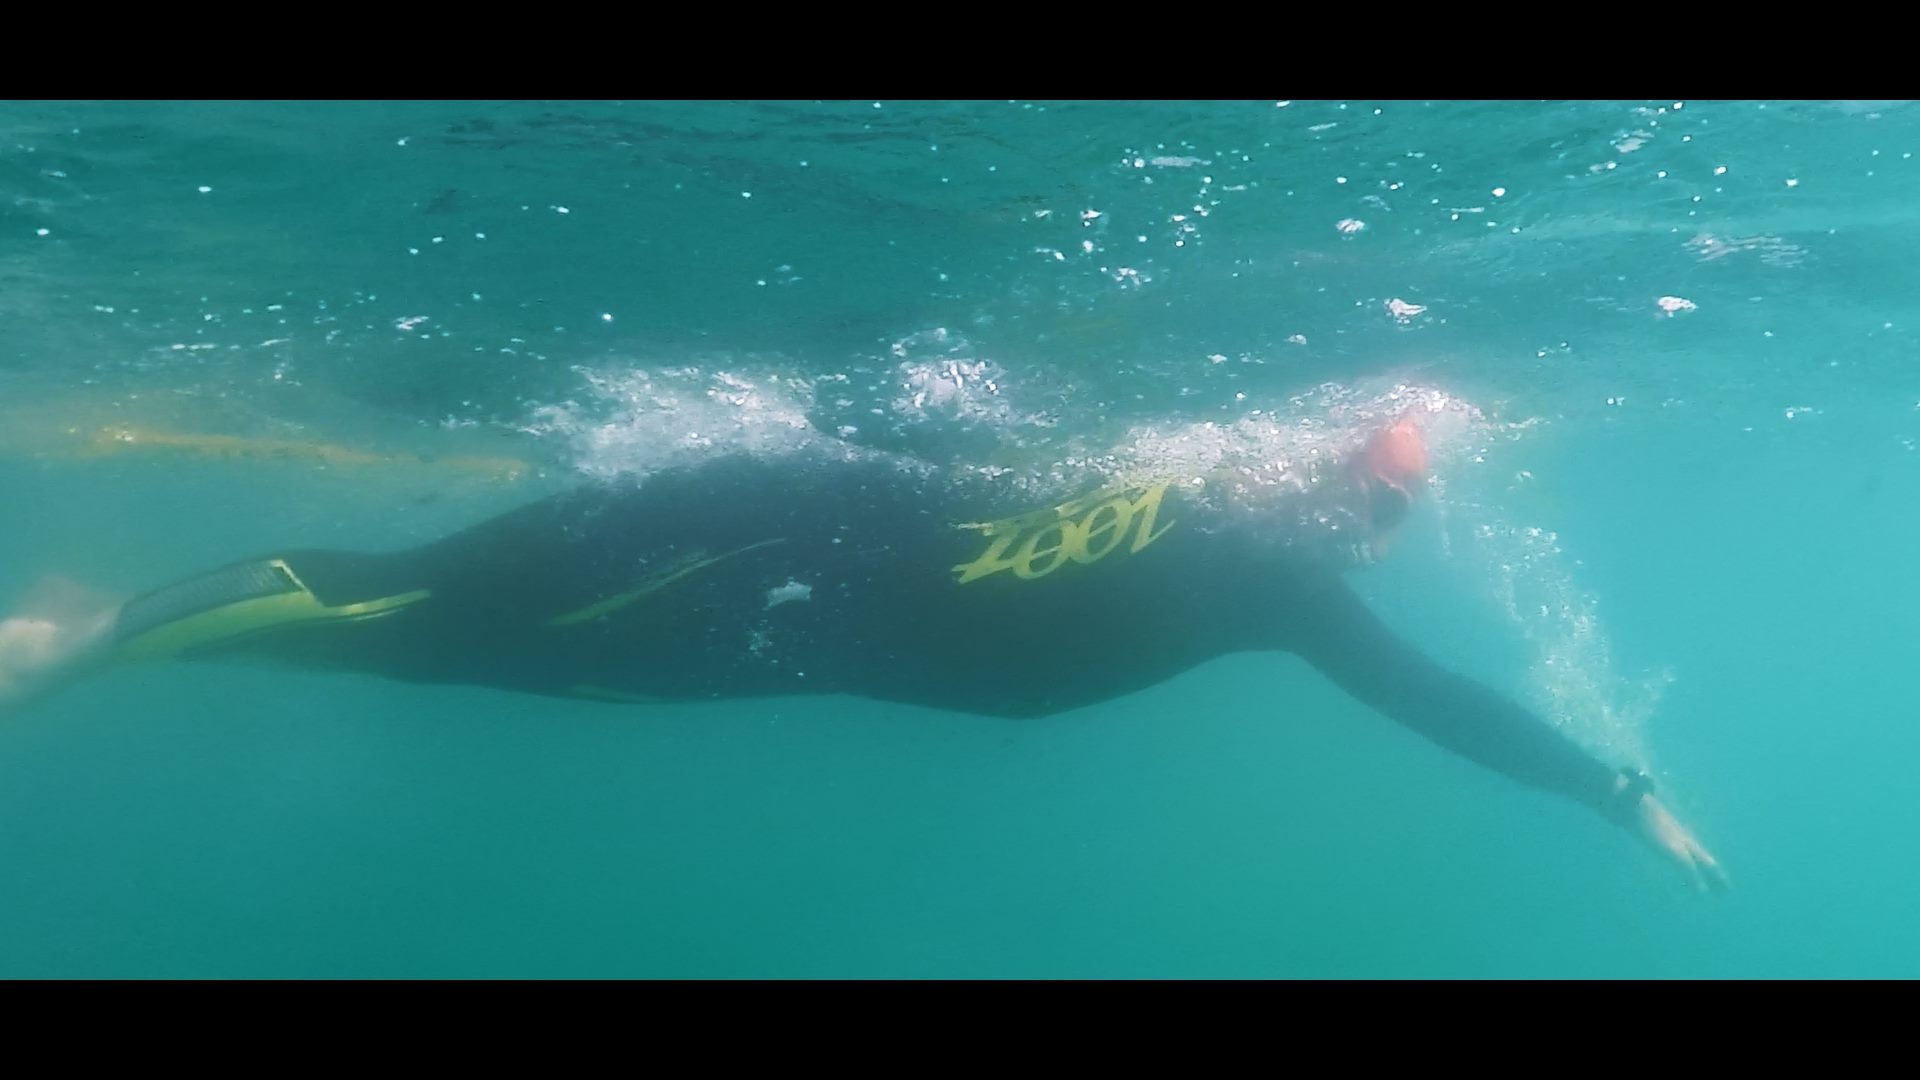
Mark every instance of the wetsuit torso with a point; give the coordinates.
(743, 578)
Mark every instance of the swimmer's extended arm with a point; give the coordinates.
(1351, 646)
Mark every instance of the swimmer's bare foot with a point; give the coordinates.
(40, 648)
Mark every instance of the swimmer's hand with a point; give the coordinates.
(1663, 832)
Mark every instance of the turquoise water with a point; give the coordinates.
(1674, 342)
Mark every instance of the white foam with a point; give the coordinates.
(1572, 679)
(789, 593)
(634, 421)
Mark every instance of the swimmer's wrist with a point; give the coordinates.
(1630, 788)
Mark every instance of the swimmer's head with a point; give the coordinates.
(1391, 470)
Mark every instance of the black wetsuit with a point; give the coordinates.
(742, 578)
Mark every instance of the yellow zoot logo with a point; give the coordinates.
(1083, 531)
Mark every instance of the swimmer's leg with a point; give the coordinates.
(474, 608)
(479, 607)
(311, 608)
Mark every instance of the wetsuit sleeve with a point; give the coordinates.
(1351, 646)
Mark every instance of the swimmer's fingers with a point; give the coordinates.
(1709, 876)
(1703, 871)
(1662, 830)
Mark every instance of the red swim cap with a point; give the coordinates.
(1397, 456)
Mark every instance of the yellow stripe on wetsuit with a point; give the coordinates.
(295, 605)
(669, 574)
